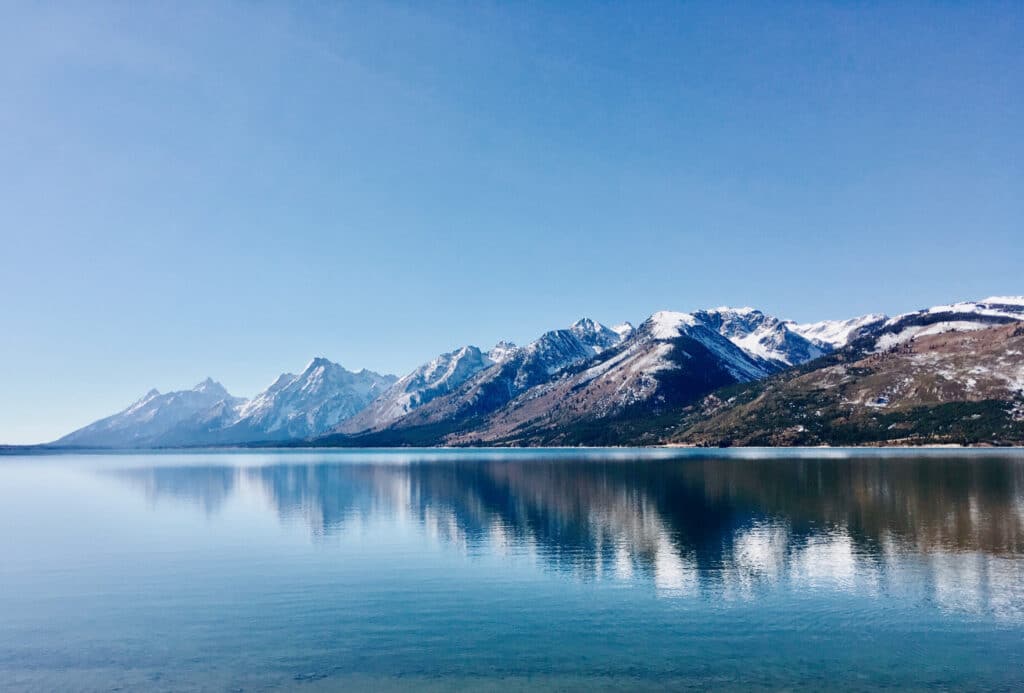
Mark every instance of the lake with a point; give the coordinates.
(511, 570)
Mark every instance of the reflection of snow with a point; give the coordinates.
(759, 553)
(976, 583)
(673, 576)
(623, 563)
(830, 560)
(500, 540)
(441, 524)
(905, 545)
(959, 581)
(1006, 588)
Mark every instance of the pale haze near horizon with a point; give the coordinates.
(229, 190)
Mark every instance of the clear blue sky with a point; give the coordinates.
(230, 189)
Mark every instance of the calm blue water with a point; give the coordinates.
(518, 570)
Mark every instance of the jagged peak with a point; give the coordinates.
(211, 386)
(502, 351)
(586, 324)
(318, 362)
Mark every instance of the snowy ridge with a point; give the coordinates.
(501, 352)
(835, 333)
(515, 371)
(294, 406)
(761, 336)
(667, 324)
(671, 359)
(312, 402)
(595, 335)
(623, 329)
(965, 316)
(436, 378)
(997, 306)
(558, 349)
(1003, 300)
(153, 415)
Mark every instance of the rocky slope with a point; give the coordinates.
(434, 379)
(670, 359)
(764, 336)
(522, 369)
(947, 384)
(557, 389)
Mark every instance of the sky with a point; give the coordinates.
(229, 189)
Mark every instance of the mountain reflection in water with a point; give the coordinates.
(946, 529)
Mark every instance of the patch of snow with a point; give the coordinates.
(653, 361)
(1004, 300)
(835, 333)
(995, 306)
(666, 324)
(502, 352)
(623, 329)
(891, 339)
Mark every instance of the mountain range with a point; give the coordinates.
(294, 407)
(721, 376)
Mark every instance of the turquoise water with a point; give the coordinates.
(594, 570)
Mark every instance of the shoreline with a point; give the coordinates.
(10, 450)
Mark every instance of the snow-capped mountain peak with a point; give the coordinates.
(212, 387)
(318, 362)
(667, 324)
(623, 329)
(502, 351)
(761, 336)
(150, 417)
(595, 335)
(323, 395)
(586, 325)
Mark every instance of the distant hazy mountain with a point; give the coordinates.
(313, 402)
(152, 416)
(294, 406)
